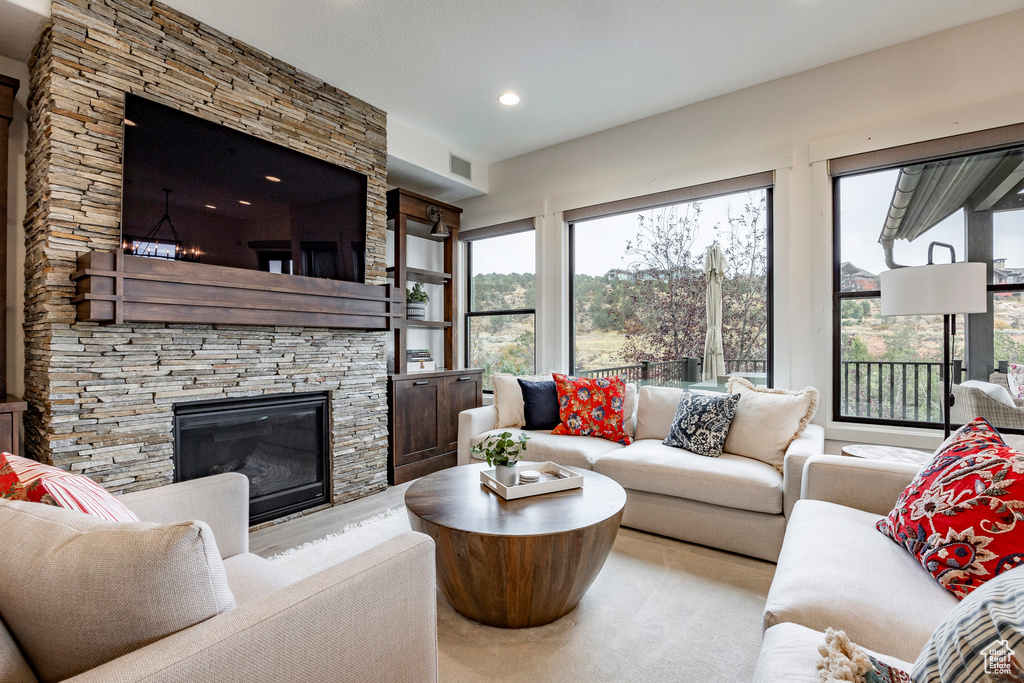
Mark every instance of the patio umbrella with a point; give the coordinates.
(714, 271)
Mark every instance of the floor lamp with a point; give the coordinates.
(944, 289)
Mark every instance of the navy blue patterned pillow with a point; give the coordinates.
(702, 422)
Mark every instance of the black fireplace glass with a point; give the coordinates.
(278, 442)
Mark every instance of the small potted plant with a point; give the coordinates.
(416, 302)
(502, 453)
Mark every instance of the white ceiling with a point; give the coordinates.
(581, 66)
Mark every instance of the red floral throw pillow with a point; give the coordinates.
(591, 407)
(28, 480)
(963, 515)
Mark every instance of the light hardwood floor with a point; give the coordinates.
(280, 537)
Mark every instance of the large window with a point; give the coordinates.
(501, 311)
(888, 370)
(640, 292)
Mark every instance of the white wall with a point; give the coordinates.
(15, 303)
(948, 83)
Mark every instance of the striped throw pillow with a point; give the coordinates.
(982, 639)
(24, 479)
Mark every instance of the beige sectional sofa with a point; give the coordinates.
(836, 570)
(731, 502)
(341, 624)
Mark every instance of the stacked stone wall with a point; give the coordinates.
(100, 397)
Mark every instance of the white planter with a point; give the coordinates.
(506, 475)
(416, 310)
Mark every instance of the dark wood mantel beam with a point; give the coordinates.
(115, 288)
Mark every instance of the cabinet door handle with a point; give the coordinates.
(463, 379)
(420, 384)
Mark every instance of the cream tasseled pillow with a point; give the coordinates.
(767, 420)
(83, 591)
(508, 398)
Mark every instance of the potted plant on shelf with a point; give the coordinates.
(502, 453)
(416, 303)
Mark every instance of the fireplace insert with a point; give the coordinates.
(279, 442)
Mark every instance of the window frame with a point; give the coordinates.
(942, 149)
(683, 196)
(470, 313)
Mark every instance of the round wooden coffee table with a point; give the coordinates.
(515, 563)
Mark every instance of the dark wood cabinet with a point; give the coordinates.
(462, 391)
(8, 89)
(11, 430)
(423, 412)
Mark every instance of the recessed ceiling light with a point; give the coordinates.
(129, 122)
(273, 179)
(210, 206)
(242, 201)
(508, 98)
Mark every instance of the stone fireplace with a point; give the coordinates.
(102, 398)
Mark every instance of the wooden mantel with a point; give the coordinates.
(114, 288)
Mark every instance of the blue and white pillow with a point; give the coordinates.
(982, 639)
(702, 422)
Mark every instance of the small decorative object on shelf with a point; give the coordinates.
(419, 360)
(416, 303)
(502, 453)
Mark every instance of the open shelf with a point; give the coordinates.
(428, 324)
(428, 277)
(416, 229)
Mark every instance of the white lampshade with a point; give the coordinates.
(935, 290)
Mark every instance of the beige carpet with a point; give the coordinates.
(660, 610)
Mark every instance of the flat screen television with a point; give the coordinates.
(199, 191)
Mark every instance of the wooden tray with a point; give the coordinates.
(569, 480)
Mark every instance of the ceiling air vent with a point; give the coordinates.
(460, 167)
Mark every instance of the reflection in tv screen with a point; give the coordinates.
(201, 192)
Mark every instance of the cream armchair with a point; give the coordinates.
(370, 618)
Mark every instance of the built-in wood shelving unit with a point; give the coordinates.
(424, 407)
(408, 217)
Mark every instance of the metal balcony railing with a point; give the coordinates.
(673, 371)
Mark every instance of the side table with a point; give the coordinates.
(891, 453)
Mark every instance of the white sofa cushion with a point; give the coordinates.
(789, 652)
(508, 398)
(88, 591)
(13, 667)
(729, 480)
(656, 411)
(768, 420)
(251, 576)
(837, 570)
(571, 451)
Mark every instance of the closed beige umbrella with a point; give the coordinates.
(714, 272)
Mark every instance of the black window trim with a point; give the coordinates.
(470, 313)
(867, 163)
(770, 275)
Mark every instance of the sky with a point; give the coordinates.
(600, 243)
(864, 202)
